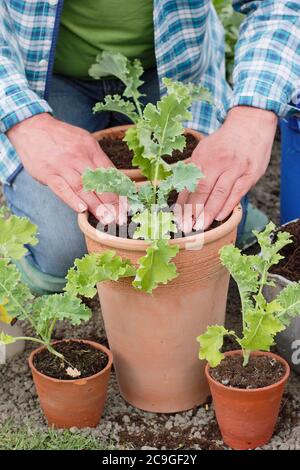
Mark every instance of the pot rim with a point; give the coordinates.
(252, 390)
(140, 245)
(98, 346)
(135, 173)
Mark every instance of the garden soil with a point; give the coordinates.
(129, 428)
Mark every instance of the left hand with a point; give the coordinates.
(232, 160)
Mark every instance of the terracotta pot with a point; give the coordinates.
(73, 403)
(247, 417)
(152, 337)
(118, 132)
(287, 341)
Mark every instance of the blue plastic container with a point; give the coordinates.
(290, 170)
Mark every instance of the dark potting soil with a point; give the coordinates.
(121, 156)
(260, 372)
(82, 356)
(289, 267)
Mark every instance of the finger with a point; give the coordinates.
(239, 190)
(62, 189)
(181, 217)
(216, 199)
(74, 180)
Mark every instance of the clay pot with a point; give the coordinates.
(72, 403)
(287, 341)
(152, 337)
(247, 417)
(118, 132)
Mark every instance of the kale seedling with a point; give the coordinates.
(158, 131)
(15, 297)
(261, 320)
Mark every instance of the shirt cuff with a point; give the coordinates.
(20, 106)
(268, 103)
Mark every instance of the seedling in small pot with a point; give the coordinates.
(158, 131)
(261, 320)
(250, 382)
(15, 297)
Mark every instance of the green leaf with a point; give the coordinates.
(155, 267)
(116, 64)
(15, 232)
(13, 294)
(58, 307)
(261, 329)
(111, 180)
(270, 251)
(154, 225)
(96, 267)
(183, 176)
(116, 104)
(210, 344)
(289, 300)
(136, 138)
(241, 268)
(188, 92)
(6, 339)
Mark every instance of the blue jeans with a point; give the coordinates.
(60, 240)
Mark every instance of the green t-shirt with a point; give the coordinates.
(91, 26)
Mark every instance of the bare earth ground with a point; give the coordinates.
(125, 427)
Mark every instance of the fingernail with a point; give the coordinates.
(219, 218)
(82, 207)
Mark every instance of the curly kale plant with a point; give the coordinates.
(158, 131)
(262, 320)
(16, 300)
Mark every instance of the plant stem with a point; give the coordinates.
(138, 106)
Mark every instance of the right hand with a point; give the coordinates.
(56, 154)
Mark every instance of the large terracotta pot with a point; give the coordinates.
(152, 337)
(247, 418)
(118, 132)
(73, 403)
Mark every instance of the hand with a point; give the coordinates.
(56, 154)
(232, 159)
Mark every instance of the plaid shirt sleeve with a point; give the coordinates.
(17, 100)
(267, 69)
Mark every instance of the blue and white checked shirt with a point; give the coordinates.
(189, 47)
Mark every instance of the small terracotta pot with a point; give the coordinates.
(152, 337)
(247, 418)
(118, 132)
(72, 403)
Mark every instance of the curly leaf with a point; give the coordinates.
(183, 176)
(116, 104)
(111, 180)
(155, 267)
(15, 232)
(145, 153)
(210, 344)
(270, 251)
(116, 64)
(241, 268)
(53, 307)
(6, 339)
(188, 92)
(13, 294)
(289, 300)
(96, 267)
(154, 225)
(260, 331)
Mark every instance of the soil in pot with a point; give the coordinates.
(119, 153)
(82, 356)
(124, 233)
(289, 267)
(260, 372)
